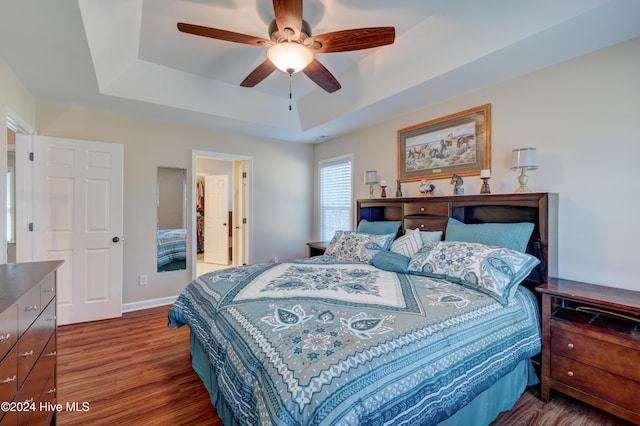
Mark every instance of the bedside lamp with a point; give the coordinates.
(523, 159)
(370, 178)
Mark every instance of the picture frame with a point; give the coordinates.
(459, 144)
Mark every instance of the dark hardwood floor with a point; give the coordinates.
(134, 370)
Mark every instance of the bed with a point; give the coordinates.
(385, 328)
(172, 249)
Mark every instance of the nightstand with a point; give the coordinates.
(317, 248)
(591, 345)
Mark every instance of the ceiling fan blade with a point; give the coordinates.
(288, 15)
(355, 39)
(321, 76)
(222, 34)
(261, 72)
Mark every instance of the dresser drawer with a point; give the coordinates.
(607, 386)
(47, 289)
(427, 209)
(608, 356)
(8, 329)
(425, 224)
(28, 309)
(32, 343)
(9, 375)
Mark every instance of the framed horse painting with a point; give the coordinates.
(458, 143)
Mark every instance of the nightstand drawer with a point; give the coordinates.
(609, 387)
(617, 359)
(427, 209)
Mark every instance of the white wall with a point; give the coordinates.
(281, 210)
(583, 117)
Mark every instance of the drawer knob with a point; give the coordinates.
(26, 354)
(49, 290)
(570, 373)
(8, 380)
(422, 225)
(570, 345)
(52, 390)
(421, 209)
(5, 337)
(31, 308)
(54, 353)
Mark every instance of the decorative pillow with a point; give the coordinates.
(379, 228)
(408, 244)
(357, 246)
(495, 271)
(514, 236)
(430, 236)
(391, 261)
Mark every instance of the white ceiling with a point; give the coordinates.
(127, 56)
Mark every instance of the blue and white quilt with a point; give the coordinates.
(307, 343)
(172, 245)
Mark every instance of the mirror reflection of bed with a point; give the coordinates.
(172, 229)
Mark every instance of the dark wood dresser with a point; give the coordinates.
(591, 345)
(28, 343)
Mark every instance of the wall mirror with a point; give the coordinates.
(172, 219)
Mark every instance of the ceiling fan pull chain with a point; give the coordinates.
(290, 78)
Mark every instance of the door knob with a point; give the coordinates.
(224, 224)
(115, 239)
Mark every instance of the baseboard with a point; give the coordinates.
(146, 304)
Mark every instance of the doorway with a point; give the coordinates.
(220, 216)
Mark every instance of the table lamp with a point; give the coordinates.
(370, 178)
(523, 159)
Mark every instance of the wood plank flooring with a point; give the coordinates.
(134, 370)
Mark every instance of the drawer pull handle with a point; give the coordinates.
(54, 353)
(8, 380)
(570, 373)
(28, 401)
(26, 354)
(53, 318)
(52, 390)
(49, 290)
(570, 345)
(5, 337)
(31, 308)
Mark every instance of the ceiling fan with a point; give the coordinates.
(291, 46)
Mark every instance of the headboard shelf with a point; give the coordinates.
(431, 213)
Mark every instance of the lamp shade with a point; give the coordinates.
(290, 57)
(370, 177)
(523, 159)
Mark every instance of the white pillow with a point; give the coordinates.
(408, 244)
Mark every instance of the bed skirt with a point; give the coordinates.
(484, 408)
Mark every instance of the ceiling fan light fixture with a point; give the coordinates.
(290, 57)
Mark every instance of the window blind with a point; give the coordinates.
(335, 197)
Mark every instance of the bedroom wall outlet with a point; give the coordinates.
(143, 279)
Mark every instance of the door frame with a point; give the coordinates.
(24, 202)
(195, 154)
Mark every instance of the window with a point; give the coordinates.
(335, 196)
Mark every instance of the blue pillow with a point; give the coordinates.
(391, 261)
(514, 236)
(379, 228)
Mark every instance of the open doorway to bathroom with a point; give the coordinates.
(221, 214)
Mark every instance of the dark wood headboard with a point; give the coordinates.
(430, 213)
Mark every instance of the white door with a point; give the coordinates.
(216, 218)
(77, 218)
